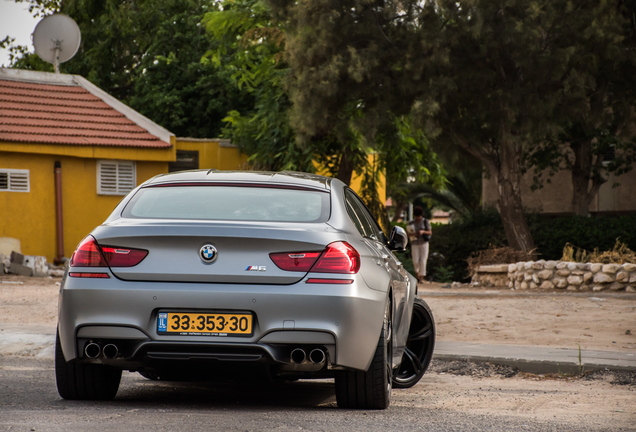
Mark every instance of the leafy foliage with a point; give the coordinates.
(457, 241)
(147, 54)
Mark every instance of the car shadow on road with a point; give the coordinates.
(136, 390)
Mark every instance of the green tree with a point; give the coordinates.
(147, 53)
(257, 45)
(597, 138)
(491, 78)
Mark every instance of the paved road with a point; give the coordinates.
(29, 402)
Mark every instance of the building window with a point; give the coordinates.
(115, 177)
(14, 180)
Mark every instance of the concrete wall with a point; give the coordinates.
(556, 197)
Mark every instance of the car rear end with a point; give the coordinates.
(191, 274)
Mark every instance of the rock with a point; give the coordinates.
(511, 284)
(537, 265)
(549, 265)
(17, 257)
(56, 273)
(632, 278)
(598, 288)
(547, 285)
(19, 269)
(595, 268)
(587, 277)
(512, 268)
(573, 266)
(533, 285)
(562, 265)
(560, 282)
(622, 276)
(582, 266)
(629, 267)
(603, 278)
(616, 286)
(528, 265)
(519, 276)
(578, 272)
(524, 285)
(630, 288)
(535, 278)
(611, 268)
(575, 280)
(572, 288)
(545, 274)
(563, 272)
(527, 277)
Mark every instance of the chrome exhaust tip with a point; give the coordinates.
(92, 350)
(317, 356)
(298, 355)
(110, 351)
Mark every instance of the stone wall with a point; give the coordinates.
(559, 275)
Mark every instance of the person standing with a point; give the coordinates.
(419, 230)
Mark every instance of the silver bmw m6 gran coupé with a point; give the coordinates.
(209, 274)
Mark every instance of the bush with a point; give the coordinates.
(456, 241)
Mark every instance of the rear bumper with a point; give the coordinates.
(343, 320)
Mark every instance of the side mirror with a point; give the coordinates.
(398, 240)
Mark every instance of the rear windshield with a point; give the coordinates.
(245, 203)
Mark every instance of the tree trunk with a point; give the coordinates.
(345, 168)
(399, 206)
(505, 166)
(508, 180)
(582, 194)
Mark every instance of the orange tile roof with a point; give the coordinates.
(39, 113)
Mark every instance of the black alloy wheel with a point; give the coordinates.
(419, 347)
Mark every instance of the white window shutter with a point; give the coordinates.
(115, 177)
(14, 180)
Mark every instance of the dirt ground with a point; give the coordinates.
(598, 401)
(595, 321)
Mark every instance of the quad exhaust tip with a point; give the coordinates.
(110, 351)
(317, 356)
(92, 350)
(298, 355)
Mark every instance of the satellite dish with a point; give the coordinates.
(56, 39)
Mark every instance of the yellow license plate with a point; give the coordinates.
(204, 324)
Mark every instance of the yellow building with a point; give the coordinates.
(69, 152)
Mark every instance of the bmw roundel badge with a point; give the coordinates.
(208, 253)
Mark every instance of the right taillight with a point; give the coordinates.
(338, 257)
(91, 254)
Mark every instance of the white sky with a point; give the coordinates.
(17, 22)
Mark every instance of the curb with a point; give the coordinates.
(537, 360)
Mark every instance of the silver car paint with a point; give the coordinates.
(353, 313)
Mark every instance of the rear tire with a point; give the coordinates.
(84, 381)
(419, 346)
(370, 389)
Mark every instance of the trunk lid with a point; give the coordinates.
(242, 249)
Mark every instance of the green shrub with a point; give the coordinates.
(455, 242)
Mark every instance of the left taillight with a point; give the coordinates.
(90, 254)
